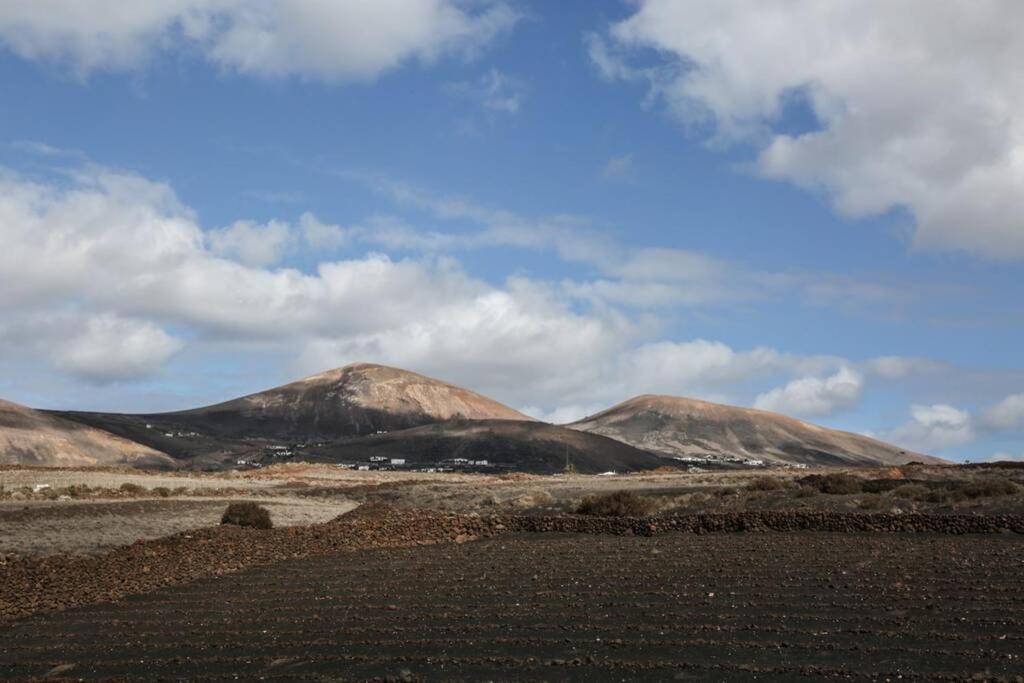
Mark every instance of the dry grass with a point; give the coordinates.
(618, 504)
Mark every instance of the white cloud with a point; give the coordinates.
(815, 396)
(252, 243)
(933, 428)
(324, 236)
(918, 104)
(495, 91)
(110, 348)
(332, 41)
(1005, 415)
(105, 260)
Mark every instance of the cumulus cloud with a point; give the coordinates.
(338, 40)
(252, 243)
(109, 348)
(916, 104)
(96, 259)
(933, 428)
(1005, 415)
(815, 396)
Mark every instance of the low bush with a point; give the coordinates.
(247, 514)
(131, 488)
(912, 492)
(989, 487)
(619, 504)
(765, 484)
(162, 491)
(839, 483)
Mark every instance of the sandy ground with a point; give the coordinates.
(40, 528)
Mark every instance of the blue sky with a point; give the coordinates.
(561, 205)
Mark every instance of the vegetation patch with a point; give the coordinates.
(839, 483)
(618, 504)
(247, 514)
(766, 484)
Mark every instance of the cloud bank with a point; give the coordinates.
(341, 40)
(915, 104)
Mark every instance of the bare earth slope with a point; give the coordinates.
(31, 437)
(526, 446)
(683, 427)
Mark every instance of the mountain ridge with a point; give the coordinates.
(680, 427)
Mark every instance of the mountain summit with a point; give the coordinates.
(358, 399)
(687, 428)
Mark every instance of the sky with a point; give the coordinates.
(810, 208)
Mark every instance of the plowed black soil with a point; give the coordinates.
(567, 607)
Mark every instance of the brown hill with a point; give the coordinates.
(31, 437)
(361, 398)
(524, 446)
(356, 400)
(683, 427)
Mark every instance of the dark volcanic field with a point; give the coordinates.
(568, 607)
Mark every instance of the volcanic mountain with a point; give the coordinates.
(531, 446)
(31, 437)
(356, 400)
(683, 427)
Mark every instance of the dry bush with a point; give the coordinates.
(765, 484)
(839, 483)
(618, 504)
(247, 514)
(131, 488)
(989, 487)
(911, 492)
(162, 491)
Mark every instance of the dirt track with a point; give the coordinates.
(568, 606)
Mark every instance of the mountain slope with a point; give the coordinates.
(519, 445)
(31, 437)
(682, 427)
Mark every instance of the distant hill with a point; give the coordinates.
(524, 446)
(31, 437)
(683, 427)
(363, 409)
(357, 399)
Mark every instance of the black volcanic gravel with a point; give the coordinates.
(568, 607)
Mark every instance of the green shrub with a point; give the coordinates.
(618, 504)
(247, 514)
